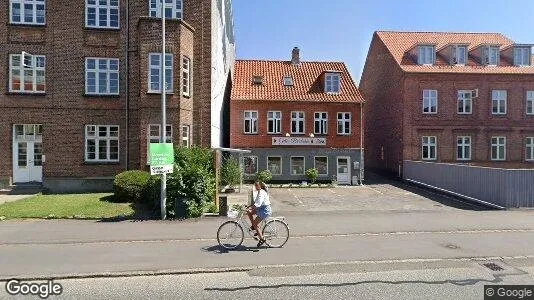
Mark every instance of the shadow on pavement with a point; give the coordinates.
(217, 249)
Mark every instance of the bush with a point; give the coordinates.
(131, 186)
(189, 192)
(312, 174)
(230, 172)
(194, 157)
(264, 176)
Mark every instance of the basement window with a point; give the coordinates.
(288, 81)
(257, 80)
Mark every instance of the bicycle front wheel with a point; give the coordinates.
(275, 233)
(230, 235)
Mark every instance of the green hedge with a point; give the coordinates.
(131, 186)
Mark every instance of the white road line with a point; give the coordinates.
(374, 190)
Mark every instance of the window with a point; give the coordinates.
(498, 148)
(30, 12)
(530, 149)
(186, 136)
(251, 122)
(27, 79)
(251, 165)
(288, 81)
(321, 164)
(257, 80)
(186, 78)
(429, 148)
(430, 101)
(102, 13)
(101, 76)
(426, 55)
(491, 55)
(274, 122)
(465, 102)
(459, 55)
(154, 135)
(154, 82)
(101, 143)
(297, 122)
(463, 147)
(522, 56)
(297, 165)
(332, 83)
(343, 123)
(274, 165)
(173, 9)
(499, 102)
(530, 102)
(320, 123)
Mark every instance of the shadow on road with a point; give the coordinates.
(217, 249)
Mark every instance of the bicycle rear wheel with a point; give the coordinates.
(230, 235)
(275, 233)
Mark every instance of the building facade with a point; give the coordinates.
(82, 85)
(296, 115)
(463, 98)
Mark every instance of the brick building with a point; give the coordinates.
(296, 115)
(84, 103)
(448, 97)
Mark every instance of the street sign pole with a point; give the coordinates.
(163, 198)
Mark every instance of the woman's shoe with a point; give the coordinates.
(261, 242)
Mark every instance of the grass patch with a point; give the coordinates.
(67, 206)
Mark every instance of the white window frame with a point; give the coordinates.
(345, 120)
(461, 59)
(274, 117)
(530, 100)
(252, 117)
(315, 165)
(332, 83)
(498, 96)
(98, 71)
(176, 7)
(491, 56)
(430, 96)
(288, 81)
(186, 76)
(522, 56)
(321, 118)
(291, 166)
(464, 97)
(496, 143)
(151, 138)
(463, 144)
(426, 55)
(38, 65)
(529, 149)
(185, 135)
(35, 4)
(255, 160)
(108, 7)
(281, 164)
(168, 70)
(429, 143)
(300, 122)
(108, 138)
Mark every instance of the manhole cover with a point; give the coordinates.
(493, 267)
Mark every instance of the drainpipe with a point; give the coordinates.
(127, 81)
(361, 144)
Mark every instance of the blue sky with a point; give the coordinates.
(341, 30)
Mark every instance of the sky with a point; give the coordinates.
(341, 30)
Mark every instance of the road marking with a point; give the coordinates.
(332, 191)
(374, 190)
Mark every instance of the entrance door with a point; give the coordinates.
(27, 153)
(343, 170)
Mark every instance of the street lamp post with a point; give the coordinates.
(163, 198)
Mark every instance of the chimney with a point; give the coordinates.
(295, 56)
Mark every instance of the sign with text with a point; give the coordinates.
(298, 141)
(161, 158)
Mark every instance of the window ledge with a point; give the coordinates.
(94, 163)
(28, 25)
(186, 96)
(159, 93)
(25, 94)
(96, 28)
(102, 95)
(249, 133)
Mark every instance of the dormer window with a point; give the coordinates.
(522, 56)
(426, 55)
(491, 56)
(459, 55)
(257, 80)
(288, 81)
(332, 83)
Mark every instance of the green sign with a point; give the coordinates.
(161, 158)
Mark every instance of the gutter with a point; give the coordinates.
(361, 144)
(127, 82)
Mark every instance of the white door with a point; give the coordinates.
(343, 170)
(27, 153)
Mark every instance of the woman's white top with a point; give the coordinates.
(261, 199)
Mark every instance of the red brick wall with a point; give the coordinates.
(238, 139)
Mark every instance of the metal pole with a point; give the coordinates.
(163, 199)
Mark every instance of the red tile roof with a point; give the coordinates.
(307, 85)
(399, 43)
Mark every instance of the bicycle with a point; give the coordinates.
(230, 234)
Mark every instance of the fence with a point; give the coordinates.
(503, 188)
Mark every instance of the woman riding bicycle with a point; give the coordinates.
(261, 208)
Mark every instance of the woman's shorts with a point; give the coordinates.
(263, 211)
